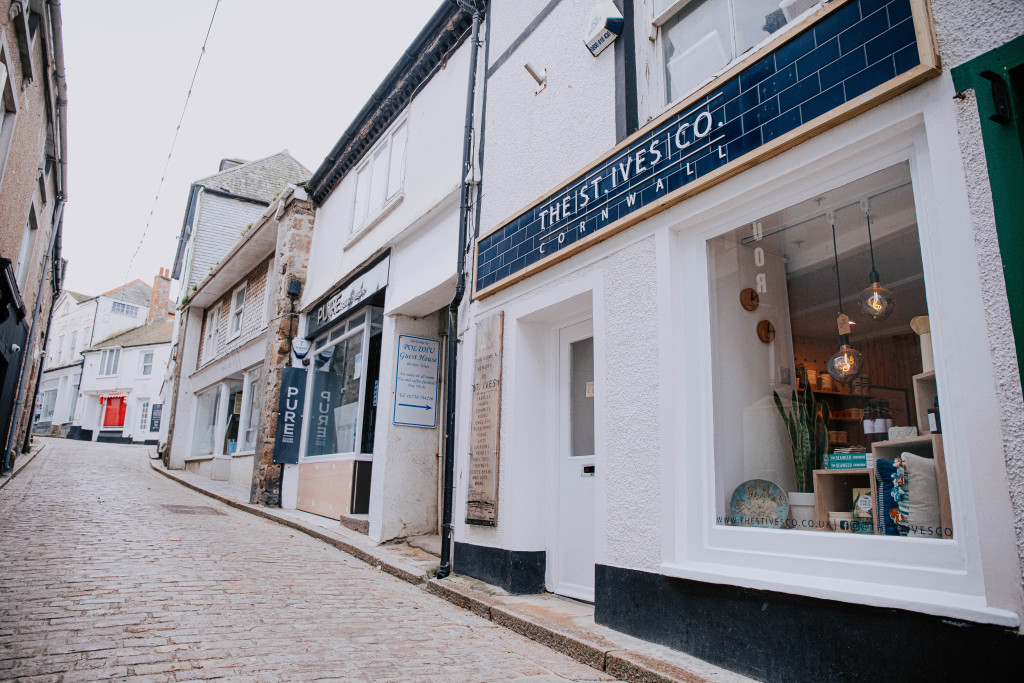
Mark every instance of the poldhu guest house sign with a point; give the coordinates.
(482, 499)
(845, 58)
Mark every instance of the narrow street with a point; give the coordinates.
(112, 571)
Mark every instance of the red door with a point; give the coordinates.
(113, 416)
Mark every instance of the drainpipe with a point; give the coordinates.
(42, 359)
(30, 343)
(453, 308)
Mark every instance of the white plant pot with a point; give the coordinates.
(801, 511)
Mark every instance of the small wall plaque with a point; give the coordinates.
(749, 299)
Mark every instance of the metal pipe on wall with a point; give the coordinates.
(451, 377)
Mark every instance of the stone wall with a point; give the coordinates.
(294, 235)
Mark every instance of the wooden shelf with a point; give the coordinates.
(833, 492)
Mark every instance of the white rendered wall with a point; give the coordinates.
(130, 380)
(651, 337)
(433, 159)
(191, 322)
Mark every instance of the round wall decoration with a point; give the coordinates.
(749, 299)
(766, 331)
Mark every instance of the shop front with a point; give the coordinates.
(341, 392)
(745, 390)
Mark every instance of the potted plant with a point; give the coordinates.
(807, 425)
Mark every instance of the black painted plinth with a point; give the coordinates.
(517, 571)
(780, 637)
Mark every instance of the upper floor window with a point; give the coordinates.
(124, 309)
(379, 177)
(237, 308)
(60, 351)
(147, 363)
(210, 333)
(699, 37)
(28, 243)
(73, 346)
(108, 362)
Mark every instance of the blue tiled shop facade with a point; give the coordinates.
(860, 46)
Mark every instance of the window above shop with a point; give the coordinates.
(380, 177)
(147, 363)
(210, 333)
(109, 360)
(237, 309)
(700, 37)
(122, 308)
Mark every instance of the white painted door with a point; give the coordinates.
(574, 572)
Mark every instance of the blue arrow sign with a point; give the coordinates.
(410, 405)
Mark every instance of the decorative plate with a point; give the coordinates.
(759, 502)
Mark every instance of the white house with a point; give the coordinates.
(121, 377)
(382, 271)
(679, 234)
(80, 320)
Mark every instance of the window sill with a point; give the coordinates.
(387, 209)
(935, 602)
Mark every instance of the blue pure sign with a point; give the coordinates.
(416, 381)
(849, 56)
(289, 415)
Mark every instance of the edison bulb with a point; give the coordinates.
(877, 301)
(846, 364)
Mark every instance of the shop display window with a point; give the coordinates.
(825, 398)
(207, 409)
(341, 409)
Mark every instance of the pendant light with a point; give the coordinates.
(876, 300)
(846, 364)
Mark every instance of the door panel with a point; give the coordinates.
(576, 463)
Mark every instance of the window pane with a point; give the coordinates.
(697, 43)
(333, 413)
(362, 196)
(581, 396)
(379, 182)
(253, 410)
(397, 160)
(207, 406)
(758, 19)
(841, 472)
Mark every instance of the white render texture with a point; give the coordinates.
(964, 30)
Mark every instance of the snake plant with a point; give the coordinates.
(807, 426)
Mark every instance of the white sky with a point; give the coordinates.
(277, 74)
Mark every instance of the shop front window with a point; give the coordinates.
(340, 411)
(832, 283)
(252, 399)
(207, 410)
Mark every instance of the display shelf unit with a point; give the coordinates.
(927, 446)
(833, 491)
(925, 392)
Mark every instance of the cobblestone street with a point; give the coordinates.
(112, 571)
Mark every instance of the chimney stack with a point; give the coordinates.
(161, 296)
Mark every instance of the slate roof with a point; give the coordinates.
(135, 292)
(144, 335)
(77, 296)
(261, 180)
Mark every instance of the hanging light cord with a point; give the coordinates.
(174, 140)
(871, 247)
(835, 251)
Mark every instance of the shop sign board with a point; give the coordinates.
(289, 415)
(347, 297)
(482, 498)
(416, 377)
(846, 58)
(155, 416)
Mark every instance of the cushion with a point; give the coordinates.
(923, 517)
(887, 498)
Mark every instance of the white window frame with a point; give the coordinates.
(129, 310)
(250, 378)
(109, 360)
(365, 329)
(142, 362)
(8, 106)
(392, 195)
(210, 333)
(27, 248)
(48, 405)
(72, 345)
(921, 574)
(58, 357)
(237, 311)
(144, 413)
(659, 77)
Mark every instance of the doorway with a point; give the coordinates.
(573, 574)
